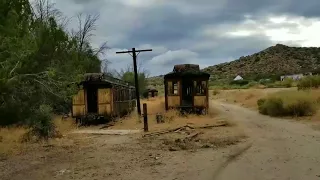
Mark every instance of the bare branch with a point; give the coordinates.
(86, 28)
(43, 10)
(46, 87)
(15, 67)
(102, 49)
(28, 75)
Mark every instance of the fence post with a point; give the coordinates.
(145, 117)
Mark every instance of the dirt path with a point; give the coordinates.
(275, 149)
(281, 149)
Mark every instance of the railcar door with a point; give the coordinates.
(104, 101)
(187, 92)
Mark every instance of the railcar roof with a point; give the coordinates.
(103, 78)
(187, 70)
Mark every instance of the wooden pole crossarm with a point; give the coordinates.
(134, 56)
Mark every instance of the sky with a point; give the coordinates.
(204, 32)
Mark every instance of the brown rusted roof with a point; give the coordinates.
(186, 67)
(151, 88)
(103, 78)
(187, 70)
(93, 76)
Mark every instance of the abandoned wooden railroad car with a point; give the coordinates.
(186, 87)
(152, 92)
(102, 96)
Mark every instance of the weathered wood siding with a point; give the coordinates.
(78, 104)
(104, 101)
(200, 101)
(173, 101)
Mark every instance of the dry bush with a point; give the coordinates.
(289, 103)
(309, 82)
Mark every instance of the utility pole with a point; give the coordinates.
(134, 56)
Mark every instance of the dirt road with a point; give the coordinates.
(276, 149)
(281, 149)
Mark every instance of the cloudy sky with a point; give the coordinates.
(205, 32)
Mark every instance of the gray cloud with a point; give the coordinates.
(183, 31)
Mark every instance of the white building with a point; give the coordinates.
(238, 78)
(293, 76)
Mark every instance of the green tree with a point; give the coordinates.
(127, 74)
(40, 61)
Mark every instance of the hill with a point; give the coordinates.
(271, 62)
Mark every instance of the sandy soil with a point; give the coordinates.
(281, 149)
(275, 149)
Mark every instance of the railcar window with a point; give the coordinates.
(200, 87)
(173, 88)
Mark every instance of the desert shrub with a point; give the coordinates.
(261, 101)
(239, 82)
(292, 103)
(299, 103)
(309, 82)
(265, 81)
(287, 82)
(252, 84)
(42, 124)
(272, 106)
(270, 86)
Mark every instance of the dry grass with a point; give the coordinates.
(172, 118)
(64, 126)
(245, 97)
(11, 138)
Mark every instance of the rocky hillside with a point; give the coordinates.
(273, 61)
(269, 63)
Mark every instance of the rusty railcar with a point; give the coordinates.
(186, 87)
(152, 92)
(100, 97)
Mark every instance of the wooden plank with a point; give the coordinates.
(104, 101)
(78, 104)
(78, 99)
(200, 101)
(173, 101)
(104, 96)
